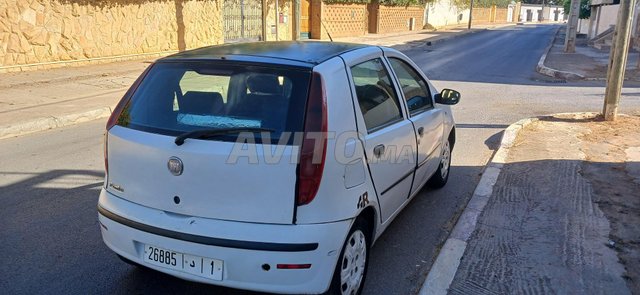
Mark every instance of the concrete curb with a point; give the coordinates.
(444, 268)
(547, 71)
(52, 122)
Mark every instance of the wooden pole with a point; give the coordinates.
(470, 15)
(618, 59)
(277, 21)
(296, 19)
(572, 27)
(264, 19)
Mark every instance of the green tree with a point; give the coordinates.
(384, 2)
(585, 9)
(545, 2)
(489, 3)
(403, 2)
(464, 4)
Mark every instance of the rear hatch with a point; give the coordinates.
(247, 173)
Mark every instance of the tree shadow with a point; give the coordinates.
(569, 225)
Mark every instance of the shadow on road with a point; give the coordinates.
(50, 233)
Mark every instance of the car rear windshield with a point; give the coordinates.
(179, 97)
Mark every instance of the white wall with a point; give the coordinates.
(444, 13)
(608, 17)
(583, 26)
(549, 13)
(534, 13)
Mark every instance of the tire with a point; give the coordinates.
(358, 244)
(440, 178)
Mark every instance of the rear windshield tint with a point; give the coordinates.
(180, 97)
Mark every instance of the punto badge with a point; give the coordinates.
(175, 166)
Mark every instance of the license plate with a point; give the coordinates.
(197, 265)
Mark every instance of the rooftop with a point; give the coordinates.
(302, 53)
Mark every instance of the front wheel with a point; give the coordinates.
(440, 178)
(351, 269)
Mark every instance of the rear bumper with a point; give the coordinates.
(244, 247)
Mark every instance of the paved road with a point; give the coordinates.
(49, 181)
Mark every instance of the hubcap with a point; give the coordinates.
(353, 262)
(445, 160)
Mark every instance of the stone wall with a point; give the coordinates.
(502, 15)
(41, 32)
(395, 18)
(340, 20)
(489, 15)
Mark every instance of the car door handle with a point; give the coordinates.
(378, 150)
(421, 131)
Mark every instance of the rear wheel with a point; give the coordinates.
(440, 178)
(351, 269)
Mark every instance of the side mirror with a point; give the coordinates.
(448, 96)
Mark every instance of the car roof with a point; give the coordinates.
(292, 53)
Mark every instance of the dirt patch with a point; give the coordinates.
(613, 167)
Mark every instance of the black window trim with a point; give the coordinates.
(394, 85)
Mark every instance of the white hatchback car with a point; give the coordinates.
(270, 166)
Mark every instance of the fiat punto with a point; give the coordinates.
(270, 166)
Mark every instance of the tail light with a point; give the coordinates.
(106, 156)
(312, 152)
(113, 119)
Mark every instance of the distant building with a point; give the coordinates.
(541, 13)
(602, 21)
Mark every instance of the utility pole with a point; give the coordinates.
(296, 20)
(470, 15)
(572, 27)
(618, 59)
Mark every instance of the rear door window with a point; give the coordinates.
(376, 95)
(180, 97)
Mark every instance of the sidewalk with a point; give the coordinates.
(563, 214)
(41, 100)
(586, 63)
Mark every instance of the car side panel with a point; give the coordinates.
(346, 187)
(392, 182)
(432, 123)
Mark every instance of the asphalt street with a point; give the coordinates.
(49, 181)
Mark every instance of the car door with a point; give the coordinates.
(387, 135)
(428, 120)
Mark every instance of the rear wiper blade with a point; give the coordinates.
(206, 133)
